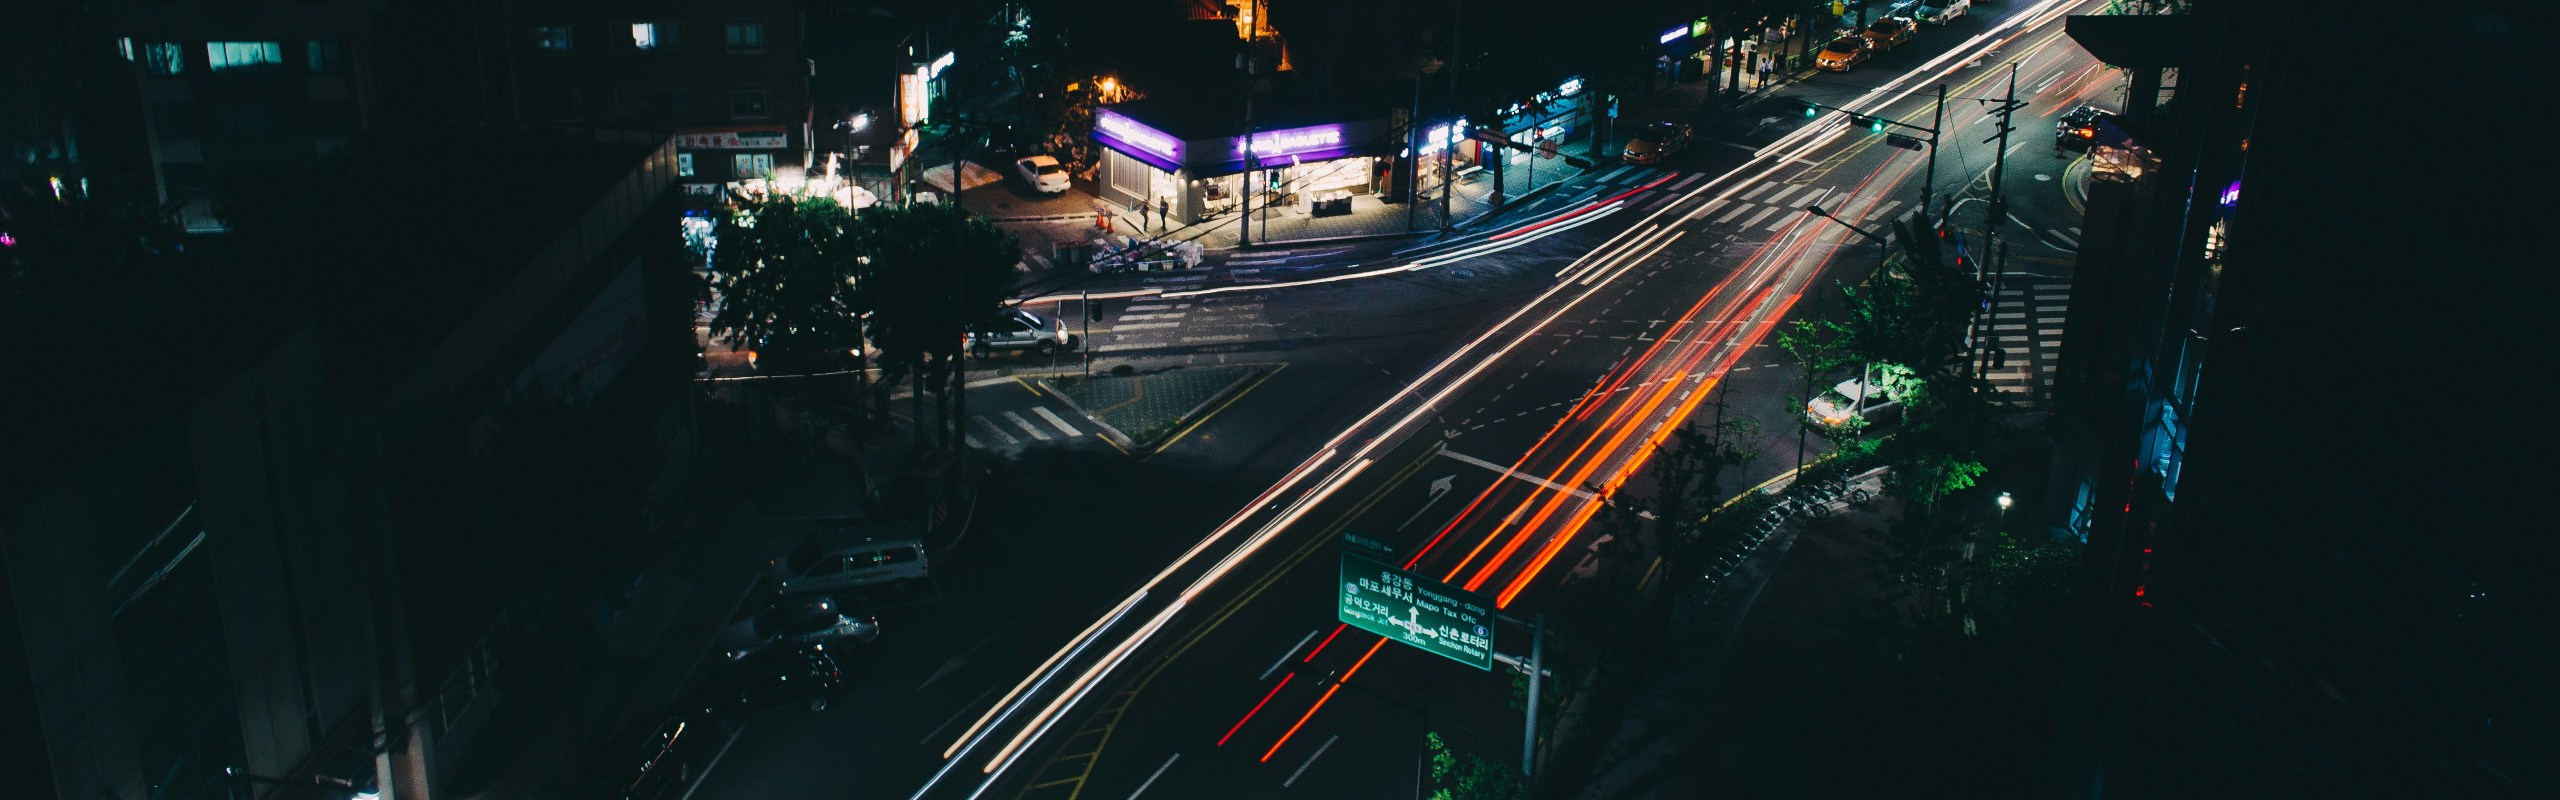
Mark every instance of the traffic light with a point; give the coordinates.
(1811, 111)
(1875, 124)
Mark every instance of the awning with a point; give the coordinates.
(1233, 166)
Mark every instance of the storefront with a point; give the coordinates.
(1315, 168)
(708, 158)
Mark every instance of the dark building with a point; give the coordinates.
(2298, 412)
(242, 550)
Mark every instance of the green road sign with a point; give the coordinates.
(1439, 618)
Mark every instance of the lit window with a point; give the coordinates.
(644, 36)
(747, 103)
(746, 37)
(751, 165)
(125, 47)
(684, 165)
(324, 57)
(163, 58)
(220, 56)
(554, 38)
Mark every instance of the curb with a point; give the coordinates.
(1357, 237)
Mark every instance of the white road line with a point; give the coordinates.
(1780, 198)
(1709, 208)
(1311, 760)
(1738, 208)
(2075, 231)
(1151, 779)
(1226, 337)
(1145, 326)
(1507, 472)
(2066, 238)
(1284, 657)
(1882, 212)
(1756, 218)
(1754, 194)
(972, 439)
(998, 432)
(1135, 317)
(1053, 419)
(2008, 327)
(1026, 426)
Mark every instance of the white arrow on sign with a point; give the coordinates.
(1439, 488)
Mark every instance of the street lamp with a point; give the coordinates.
(1817, 211)
(2004, 511)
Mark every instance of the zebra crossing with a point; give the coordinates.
(1201, 321)
(2026, 324)
(1013, 428)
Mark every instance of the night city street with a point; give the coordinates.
(1452, 399)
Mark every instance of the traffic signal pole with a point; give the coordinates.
(1994, 212)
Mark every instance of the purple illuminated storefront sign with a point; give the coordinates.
(1293, 141)
(1146, 144)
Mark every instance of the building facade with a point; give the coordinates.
(2314, 553)
(226, 568)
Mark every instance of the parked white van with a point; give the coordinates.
(825, 564)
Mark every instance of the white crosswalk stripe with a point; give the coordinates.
(1780, 198)
(1754, 194)
(992, 430)
(1756, 218)
(1026, 426)
(1738, 208)
(1053, 419)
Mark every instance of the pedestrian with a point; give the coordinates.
(1768, 67)
(1164, 212)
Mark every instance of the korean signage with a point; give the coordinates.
(912, 100)
(1436, 617)
(734, 139)
(1674, 34)
(1440, 137)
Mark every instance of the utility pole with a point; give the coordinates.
(1252, 39)
(1937, 120)
(1457, 36)
(1994, 213)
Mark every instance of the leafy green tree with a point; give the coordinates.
(2018, 575)
(1470, 776)
(934, 270)
(786, 273)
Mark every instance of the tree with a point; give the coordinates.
(786, 274)
(1470, 776)
(934, 270)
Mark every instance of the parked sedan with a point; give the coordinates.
(793, 622)
(1043, 173)
(1841, 54)
(1016, 329)
(807, 676)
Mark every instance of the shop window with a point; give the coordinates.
(324, 57)
(220, 56)
(746, 37)
(746, 103)
(551, 38)
(655, 35)
(751, 165)
(163, 58)
(684, 165)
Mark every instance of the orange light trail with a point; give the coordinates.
(1626, 425)
(1556, 542)
(1645, 454)
(1588, 396)
(1328, 695)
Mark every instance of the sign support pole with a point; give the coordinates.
(1537, 676)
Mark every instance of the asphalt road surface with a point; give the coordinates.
(1164, 627)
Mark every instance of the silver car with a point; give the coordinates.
(792, 622)
(1016, 329)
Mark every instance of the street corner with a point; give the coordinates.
(2075, 184)
(1011, 415)
(1144, 412)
